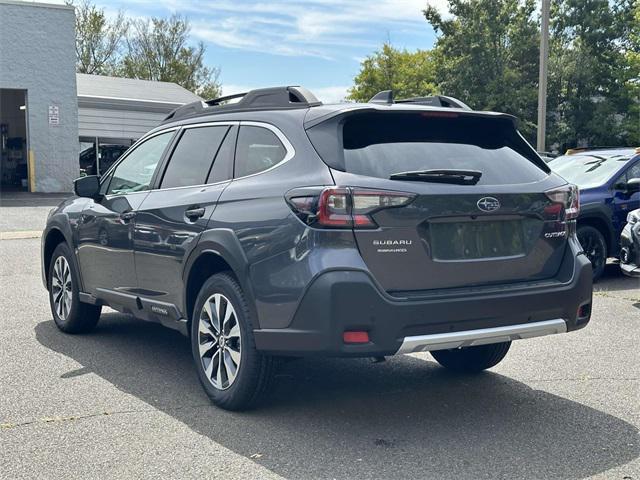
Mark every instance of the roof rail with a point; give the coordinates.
(260, 99)
(386, 97)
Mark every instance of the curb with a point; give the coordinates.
(20, 235)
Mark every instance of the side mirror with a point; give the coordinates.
(88, 186)
(633, 185)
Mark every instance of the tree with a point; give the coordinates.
(408, 74)
(157, 49)
(593, 74)
(486, 54)
(98, 40)
(632, 54)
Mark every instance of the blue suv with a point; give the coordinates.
(607, 195)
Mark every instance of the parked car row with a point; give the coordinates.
(609, 183)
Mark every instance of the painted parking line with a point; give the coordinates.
(20, 235)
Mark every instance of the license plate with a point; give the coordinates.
(476, 239)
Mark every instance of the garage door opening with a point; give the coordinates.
(14, 169)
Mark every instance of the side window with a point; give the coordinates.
(192, 158)
(257, 150)
(633, 172)
(134, 173)
(223, 165)
(104, 183)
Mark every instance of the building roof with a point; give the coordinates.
(23, 3)
(132, 93)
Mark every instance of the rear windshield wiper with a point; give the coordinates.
(458, 177)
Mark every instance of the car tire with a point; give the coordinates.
(69, 313)
(595, 248)
(472, 359)
(232, 372)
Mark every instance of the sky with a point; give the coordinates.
(318, 44)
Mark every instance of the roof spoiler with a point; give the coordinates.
(263, 98)
(386, 98)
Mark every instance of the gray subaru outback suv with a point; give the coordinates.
(278, 226)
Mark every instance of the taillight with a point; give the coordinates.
(333, 208)
(567, 198)
(343, 207)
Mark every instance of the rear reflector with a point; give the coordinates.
(584, 310)
(355, 337)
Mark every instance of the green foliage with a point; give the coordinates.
(593, 83)
(157, 49)
(408, 74)
(98, 39)
(632, 84)
(487, 55)
(154, 49)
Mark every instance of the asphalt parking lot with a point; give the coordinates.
(124, 401)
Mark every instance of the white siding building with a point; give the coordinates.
(114, 112)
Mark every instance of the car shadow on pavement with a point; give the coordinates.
(332, 418)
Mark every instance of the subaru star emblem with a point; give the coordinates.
(488, 204)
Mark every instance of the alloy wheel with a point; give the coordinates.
(219, 341)
(61, 287)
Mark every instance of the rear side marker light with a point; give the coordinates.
(355, 337)
(343, 207)
(566, 198)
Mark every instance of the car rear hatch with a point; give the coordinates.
(446, 199)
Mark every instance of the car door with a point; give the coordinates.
(105, 247)
(173, 215)
(624, 202)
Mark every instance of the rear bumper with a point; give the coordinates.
(342, 300)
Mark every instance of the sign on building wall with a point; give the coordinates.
(54, 115)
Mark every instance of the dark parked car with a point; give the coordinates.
(279, 226)
(607, 194)
(630, 242)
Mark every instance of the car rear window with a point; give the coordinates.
(380, 144)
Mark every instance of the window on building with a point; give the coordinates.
(109, 150)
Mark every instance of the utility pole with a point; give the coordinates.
(542, 83)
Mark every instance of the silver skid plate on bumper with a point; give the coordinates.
(482, 336)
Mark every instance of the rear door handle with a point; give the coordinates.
(194, 213)
(126, 216)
